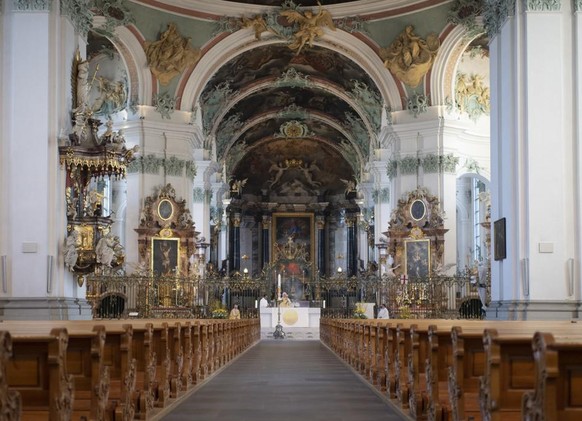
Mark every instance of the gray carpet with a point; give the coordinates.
(285, 380)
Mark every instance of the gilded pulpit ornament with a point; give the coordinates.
(170, 55)
(310, 26)
(410, 57)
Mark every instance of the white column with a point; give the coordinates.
(533, 174)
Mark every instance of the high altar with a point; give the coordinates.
(291, 317)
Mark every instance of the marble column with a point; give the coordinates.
(234, 243)
(352, 245)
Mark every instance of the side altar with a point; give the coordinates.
(291, 317)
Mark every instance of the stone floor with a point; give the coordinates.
(279, 380)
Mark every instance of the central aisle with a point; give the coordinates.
(285, 380)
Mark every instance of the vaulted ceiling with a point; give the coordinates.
(316, 108)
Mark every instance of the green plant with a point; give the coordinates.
(359, 313)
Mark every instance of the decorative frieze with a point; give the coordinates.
(542, 5)
(198, 195)
(151, 164)
(33, 5)
(381, 195)
(495, 13)
(409, 165)
(79, 13)
(430, 164)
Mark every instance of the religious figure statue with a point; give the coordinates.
(310, 26)
(70, 252)
(71, 203)
(409, 57)
(350, 185)
(104, 250)
(81, 86)
(112, 98)
(170, 55)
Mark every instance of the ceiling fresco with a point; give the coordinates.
(249, 100)
(295, 168)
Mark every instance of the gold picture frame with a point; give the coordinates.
(165, 256)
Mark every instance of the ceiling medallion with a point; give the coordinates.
(293, 129)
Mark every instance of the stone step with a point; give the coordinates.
(297, 333)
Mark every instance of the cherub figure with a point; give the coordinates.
(310, 26)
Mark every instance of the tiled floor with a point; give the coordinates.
(285, 380)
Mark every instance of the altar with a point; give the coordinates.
(305, 317)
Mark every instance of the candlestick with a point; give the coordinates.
(323, 303)
(256, 304)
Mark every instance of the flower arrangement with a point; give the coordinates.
(219, 313)
(359, 312)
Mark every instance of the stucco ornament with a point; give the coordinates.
(409, 57)
(170, 55)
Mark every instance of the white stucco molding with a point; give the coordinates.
(444, 69)
(133, 54)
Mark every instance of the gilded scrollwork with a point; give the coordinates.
(410, 57)
(170, 55)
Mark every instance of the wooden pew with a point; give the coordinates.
(558, 378)
(38, 371)
(10, 400)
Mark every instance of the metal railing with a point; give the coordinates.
(449, 297)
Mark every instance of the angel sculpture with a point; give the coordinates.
(257, 23)
(310, 26)
(350, 185)
(390, 271)
(237, 186)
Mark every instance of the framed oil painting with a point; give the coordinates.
(293, 244)
(499, 244)
(417, 258)
(165, 256)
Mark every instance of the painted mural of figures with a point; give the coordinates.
(70, 252)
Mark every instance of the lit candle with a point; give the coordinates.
(323, 303)
(256, 305)
(279, 286)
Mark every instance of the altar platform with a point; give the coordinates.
(297, 322)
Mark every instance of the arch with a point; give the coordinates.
(244, 40)
(129, 42)
(442, 77)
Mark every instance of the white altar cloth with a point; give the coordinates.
(291, 317)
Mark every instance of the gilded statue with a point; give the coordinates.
(170, 55)
(310, 26)
(410, 57)
(256, 23)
